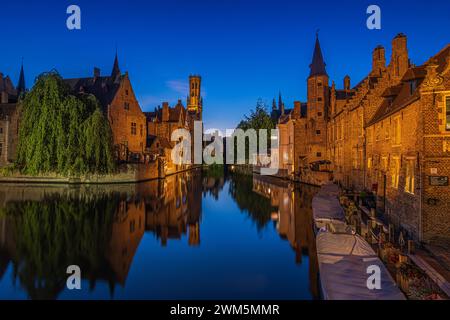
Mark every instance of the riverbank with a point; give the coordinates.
(127, 173)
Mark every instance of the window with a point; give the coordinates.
(319, 154)
(412, 87)
(126, 92)
(409, 184)
(1, 130)
(319, 114)
(447, 113)
(142, 130)
(386, 131)
(317, 132)
(395, 171)
(397, 131)
(384, 164)
(319, 99)
(369, 163)
(126, 106)
(370, 135)
(133, 128)
(1, 149)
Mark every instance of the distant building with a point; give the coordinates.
(9, 119)
(120, 106)
(162, 122)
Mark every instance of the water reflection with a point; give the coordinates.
(44, 229)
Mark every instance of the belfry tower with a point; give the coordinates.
(194, 100)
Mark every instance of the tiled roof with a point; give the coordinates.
(400, 96)
(103, 88)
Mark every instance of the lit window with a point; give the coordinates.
(395, 171)
(384, 163)
(369, 163)
(133, 128)
(409, 184)
(397, 131)
(447, 113)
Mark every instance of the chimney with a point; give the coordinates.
(378, 60)
(297, 109)
(399, 63)
(5, 97)
(96, 72)
(165, 111)
(347, 83)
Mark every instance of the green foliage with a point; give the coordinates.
(57, 232)
(62, 133)
(259, 118)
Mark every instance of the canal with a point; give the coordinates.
(203, 234)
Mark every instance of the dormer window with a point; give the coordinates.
(412, 86)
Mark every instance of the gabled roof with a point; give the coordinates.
(400, 96)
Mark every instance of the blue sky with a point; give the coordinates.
(244, 49)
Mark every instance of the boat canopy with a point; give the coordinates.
(346, 262)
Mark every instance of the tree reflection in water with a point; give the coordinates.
(44, 229)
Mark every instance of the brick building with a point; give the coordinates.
(119, 104)
(162, 122)
(9, 119)
(389, 134)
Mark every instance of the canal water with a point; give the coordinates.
(203, 234)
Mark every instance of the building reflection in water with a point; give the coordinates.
(44, 229)
(292, 215)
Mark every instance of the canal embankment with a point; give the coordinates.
(126, 173)
(351, 240)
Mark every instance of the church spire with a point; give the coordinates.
(21, 84)
(317, 65)
(280, 103)
(116, 70)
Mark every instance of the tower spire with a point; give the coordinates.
(21, 84)
(317, 65)
(116, 70)
(280, 103)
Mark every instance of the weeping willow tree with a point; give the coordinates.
(61, 133)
